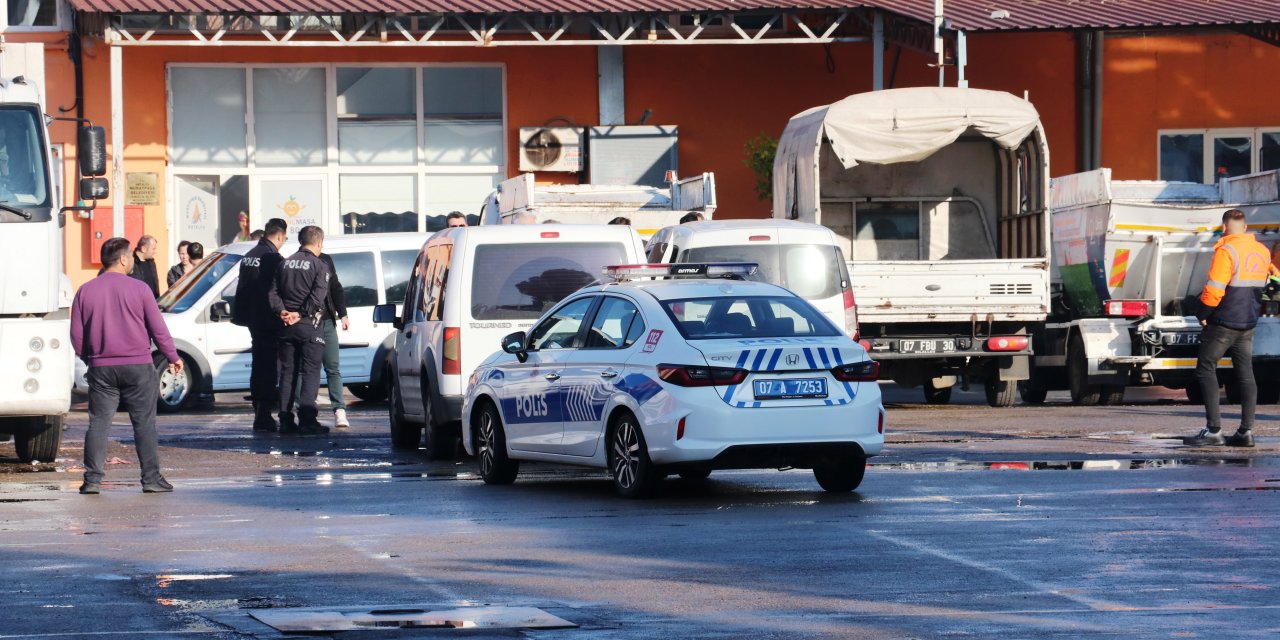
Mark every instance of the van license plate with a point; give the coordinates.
(791, 389)
(926, 346)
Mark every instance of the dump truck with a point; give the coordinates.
(940, 197)
(1131, 260)
(521, 200)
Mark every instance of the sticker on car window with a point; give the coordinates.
(651, 342)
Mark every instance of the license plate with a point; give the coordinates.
(926, 346)
(791, 389)
(1182, 338)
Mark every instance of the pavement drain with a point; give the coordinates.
(329, 619)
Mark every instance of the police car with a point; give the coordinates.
(688, 371)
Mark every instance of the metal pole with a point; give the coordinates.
(938, 46)
(1096, 121)
(117, 141)
(962, 59)
(877, 52)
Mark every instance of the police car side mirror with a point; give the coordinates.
(386, 314)
(220, 310)
(514, 344)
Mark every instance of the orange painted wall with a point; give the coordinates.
(1182, 82)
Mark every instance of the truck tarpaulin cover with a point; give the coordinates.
(891, 126)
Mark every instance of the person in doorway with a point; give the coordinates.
(180, 269)
(256, 235)
(251, 309)
(692, 216)
(144, 264)
(455, 219)
(298, 299)
(242, 234)
(1231, 304)
(620, 220)
(114, 320)
(335, 314)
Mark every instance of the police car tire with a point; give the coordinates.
(188, 376)
(1268, 392)
(842, 477)
(633, 472)
(404, 434)
(38, 441)
(491, 448)
(1000, 393)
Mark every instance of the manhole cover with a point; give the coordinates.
(313, 619)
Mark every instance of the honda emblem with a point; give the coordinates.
(793, 359)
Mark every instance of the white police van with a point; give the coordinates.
(470, 287)
(373, 269)
(675, 375)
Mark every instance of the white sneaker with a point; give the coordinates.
(340, 418)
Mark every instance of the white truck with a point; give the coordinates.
(521, 200)
(1131, 259)
(37, 367)
(940, 198)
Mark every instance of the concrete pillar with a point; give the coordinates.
(611, 81)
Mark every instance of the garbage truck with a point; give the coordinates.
(522, 200)
(37, 367)
(939, 197)
(1130, 261)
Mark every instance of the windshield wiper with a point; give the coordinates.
(5, 206)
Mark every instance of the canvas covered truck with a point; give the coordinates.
(520, 199)
(37, 364)
(1131, 260)
(940, 198)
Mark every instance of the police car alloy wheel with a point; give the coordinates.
(634, 474)
(491, 449)
(843, 476)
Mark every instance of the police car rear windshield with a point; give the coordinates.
(191, 287)
(726, 317)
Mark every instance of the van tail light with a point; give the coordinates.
(880, 426)
(865, 371)
(452, 362)
(1128, 308)
(1008, 343)
(680, 430)
(850, 315)
(695, 376)
(759, 239)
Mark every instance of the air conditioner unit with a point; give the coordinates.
(551, 149)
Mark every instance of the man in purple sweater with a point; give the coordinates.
(114, 319)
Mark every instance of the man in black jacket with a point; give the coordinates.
(335, 314)
(144, 264)
(298, 299)
(252, 309)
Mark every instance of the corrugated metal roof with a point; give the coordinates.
(970, 15)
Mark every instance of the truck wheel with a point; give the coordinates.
(1000, 393)
(404, 434)
(1269, 392)
(441, 443)
(176, 392)
(38, 439)
(934, 395)
(1233, 392)
(1082, 393)
(1194, 396)
(1112, 395)
(1032, 392)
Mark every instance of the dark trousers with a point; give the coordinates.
(136, 386)
(332, 373)
(301, 350)
(264, 374)
(1215, 342)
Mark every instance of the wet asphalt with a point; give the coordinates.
(1027, 522)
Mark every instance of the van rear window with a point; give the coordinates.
(811, 271)
(523, 281)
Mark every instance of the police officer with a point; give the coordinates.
(299, 299)
(252, 310)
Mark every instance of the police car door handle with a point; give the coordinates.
(552, 377)
(608, 373)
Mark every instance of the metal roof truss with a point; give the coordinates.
(487, 30)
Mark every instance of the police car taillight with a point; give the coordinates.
(865, 371)
(1128, 308)
(625, 272)
(695, 376)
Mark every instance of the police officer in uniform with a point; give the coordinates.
(252, 310)
(299, 301)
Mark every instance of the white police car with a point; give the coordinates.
(678, 375)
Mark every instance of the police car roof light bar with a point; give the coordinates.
(726, 270)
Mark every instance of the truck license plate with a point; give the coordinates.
(1182, 338)
(926, 346)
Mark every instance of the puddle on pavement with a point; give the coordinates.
(1072, 465)
(313, 620)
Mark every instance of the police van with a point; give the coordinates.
(800, 256)
(470, 287)
(373, 269)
